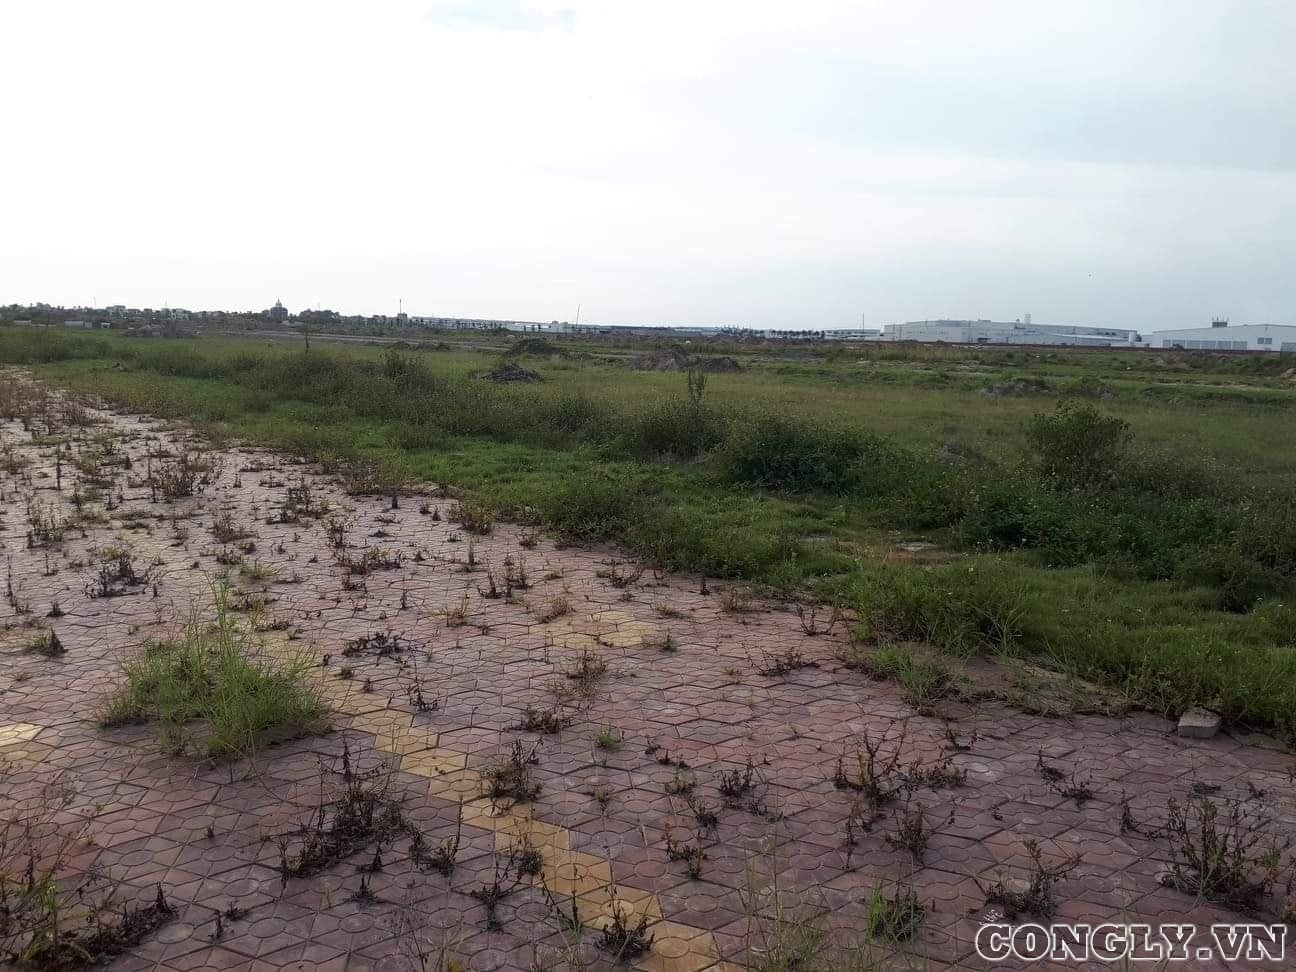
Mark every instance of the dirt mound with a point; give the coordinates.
(510, 371)
(677, 360)
(535, 347)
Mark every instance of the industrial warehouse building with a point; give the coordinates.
(1221, 336)
(1016, 332)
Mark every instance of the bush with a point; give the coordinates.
(1077, 446)
(1238, 579)
(1267, 529)
(684, 537)
(606, 505)
(682, 428)
(798, 456)
(956, 608)
(1007, 510)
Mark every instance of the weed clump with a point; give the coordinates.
(586, 672)
(509, 778)
(624, 937)
(48, 645)
(362, 814)
(188, 474)
(785, 663)
(691, 854)
(441, 858)
(548, 722)
(553, 609)
(211, 690)
(475, 518)
(1064, 784)
(880, 778)
(925, 681)
(1034, 896)
(51, 916)
(1228, 857)
(913, 833)
(117, 574)
(896, 917)
(382, 644)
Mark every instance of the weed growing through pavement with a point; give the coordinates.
(625, 936)
(443, 857)
(895, 917)
(691, 854)
(117, 574)
(475, 518)
(785, 663)
(1062, 783)
(509, 777)
(609, 738)
(1036, 895)
(362, 814)
(546, 721)
(913, 833)
(1222, 853)
(53, 917)
(553, 609)
(212, 690)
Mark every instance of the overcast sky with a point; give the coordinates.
(789, 164)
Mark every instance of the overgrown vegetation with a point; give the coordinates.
(1223, 851)
(356, 811)
(212, 690)
(1149, 544)
(53, 916)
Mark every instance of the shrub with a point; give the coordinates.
(676, 427)
(1007, 510)
(606, 505)
(956, 608)
(1238, 579)
(1077, 445)
(212, 691)
(687, 536)
(798, 456)
(1267, 530)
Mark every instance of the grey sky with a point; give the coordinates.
(789, 164)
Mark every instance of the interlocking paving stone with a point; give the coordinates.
(603, 817)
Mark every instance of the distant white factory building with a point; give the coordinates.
(1221, 336)
(1015, 332)
(852, 334)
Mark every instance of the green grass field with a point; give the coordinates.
(1127, 517)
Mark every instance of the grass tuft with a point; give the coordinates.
(212, 690)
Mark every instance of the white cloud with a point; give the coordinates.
(760, 162)
(499, 15)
